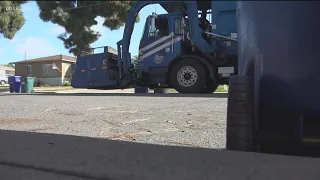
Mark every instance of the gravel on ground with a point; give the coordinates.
(167, 120)
(180, 121)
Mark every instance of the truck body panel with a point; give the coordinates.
(92, 71)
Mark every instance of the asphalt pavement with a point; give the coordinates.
(189, 121)
(128, 136)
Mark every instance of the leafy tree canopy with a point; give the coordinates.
(11, 18)
(78, 16)
(9, 65)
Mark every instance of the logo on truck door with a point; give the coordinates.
(158, 59)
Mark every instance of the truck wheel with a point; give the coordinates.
(210, 88)
(2, 82)
(240, 114)
(188, 76)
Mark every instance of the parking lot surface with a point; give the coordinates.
(182, 121)
(121, 136)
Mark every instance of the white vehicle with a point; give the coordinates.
(4, 79)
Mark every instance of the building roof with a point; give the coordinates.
(48, 58)
(6, 68)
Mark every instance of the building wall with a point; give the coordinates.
(42, 72)
(67, 69)
(39, 69)
(57, 81)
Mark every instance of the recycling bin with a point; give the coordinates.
(27, 84)
(287, 49)
(15, 84)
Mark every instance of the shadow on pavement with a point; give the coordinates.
(52, 156)
(214, 95)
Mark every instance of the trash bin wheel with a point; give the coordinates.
(240, 114)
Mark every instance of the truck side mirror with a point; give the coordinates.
(153, 24)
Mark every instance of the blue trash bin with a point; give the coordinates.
(15, 84)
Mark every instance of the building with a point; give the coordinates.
(51, 70)
(5, 70)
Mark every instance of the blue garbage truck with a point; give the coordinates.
(181, 49)
(274, 101)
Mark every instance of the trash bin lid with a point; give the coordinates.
(14, 78)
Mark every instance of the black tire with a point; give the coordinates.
(240, 114)
(200, 82)
(2, 82)
(276, 129)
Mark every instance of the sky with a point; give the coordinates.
(39, 39)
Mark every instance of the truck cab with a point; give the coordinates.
(161, 42)
(165, 40)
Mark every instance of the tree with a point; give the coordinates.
(11, 18)
(135, 57)
(77, 17)
(9, 65)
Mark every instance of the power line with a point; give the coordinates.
(86, 6)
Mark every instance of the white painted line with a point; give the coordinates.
(136, 120)
(50, 109)
(97, 108)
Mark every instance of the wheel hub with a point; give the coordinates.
(187, 76)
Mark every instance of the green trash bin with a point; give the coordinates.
(27, 84)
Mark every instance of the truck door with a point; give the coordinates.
(157, 45)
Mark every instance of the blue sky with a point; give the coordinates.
(39, 39)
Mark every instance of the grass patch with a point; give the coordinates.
(66, 83)
(220, 89)
(172, 91)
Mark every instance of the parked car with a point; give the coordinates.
(4, 79)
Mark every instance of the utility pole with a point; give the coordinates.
(25, 55)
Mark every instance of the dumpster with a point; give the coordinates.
(290, 53)
(274, 105)
(27, 84)
(15, 84)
